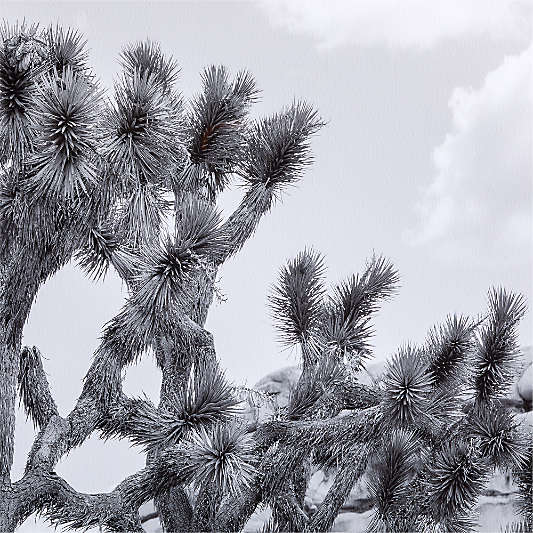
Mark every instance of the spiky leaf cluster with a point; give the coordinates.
(66, 49)
(497, 346)
(166, 267)
(346, 327)
(449, 347)
(393, 468)
(455, 477)
(499, 436)
(217, 127)
(68, 112)
(278, 148)
(103, 248)
(198, 228)
(407, 386)
(147, 60)
(297, 299)
(143, 129)
(21, 63)
(207, 399)
(222, 457)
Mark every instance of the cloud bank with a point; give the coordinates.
(404, 24)
(479, 202)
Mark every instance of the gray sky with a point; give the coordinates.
(426, 158)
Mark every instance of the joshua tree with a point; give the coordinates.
(132, 181)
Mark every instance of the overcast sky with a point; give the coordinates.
(426, 158)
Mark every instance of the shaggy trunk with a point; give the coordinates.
(11, 327)
(174, 508)
(7, 516)
(16, 297)
(8, 388)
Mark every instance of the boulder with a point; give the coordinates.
(277, 385)
(320, 483)
(151, 525)
(525, 385)
(258, 520)
(526, 419)
(495, 513)
(372, 373)
(352, 522)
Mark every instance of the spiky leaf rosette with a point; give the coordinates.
(208, 398)
(103, 247)
(147, 59)
(346, 328)
(198, 228)
(66, 50)
(143, 128)
(21, 64)
(140, 421)
(217, 126)
(166, 268)
(278, 149)
(160, 282)
(68, 114)
(276, 154)
(497, 350)
(407, 387)
(391, 473)
(455, 476)
(448, 349)
(296, 300)
(500, 439)
(360, 295)
(344, 341)
(461, 522)
(222, 456)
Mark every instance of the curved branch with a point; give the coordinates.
(50, 495)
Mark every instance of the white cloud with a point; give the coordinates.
(479, 203)
(400, 23)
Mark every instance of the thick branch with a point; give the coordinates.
(241, 225)
(52, 496)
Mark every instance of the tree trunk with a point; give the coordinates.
(8, 388)
(7, 516)
(174, 508)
